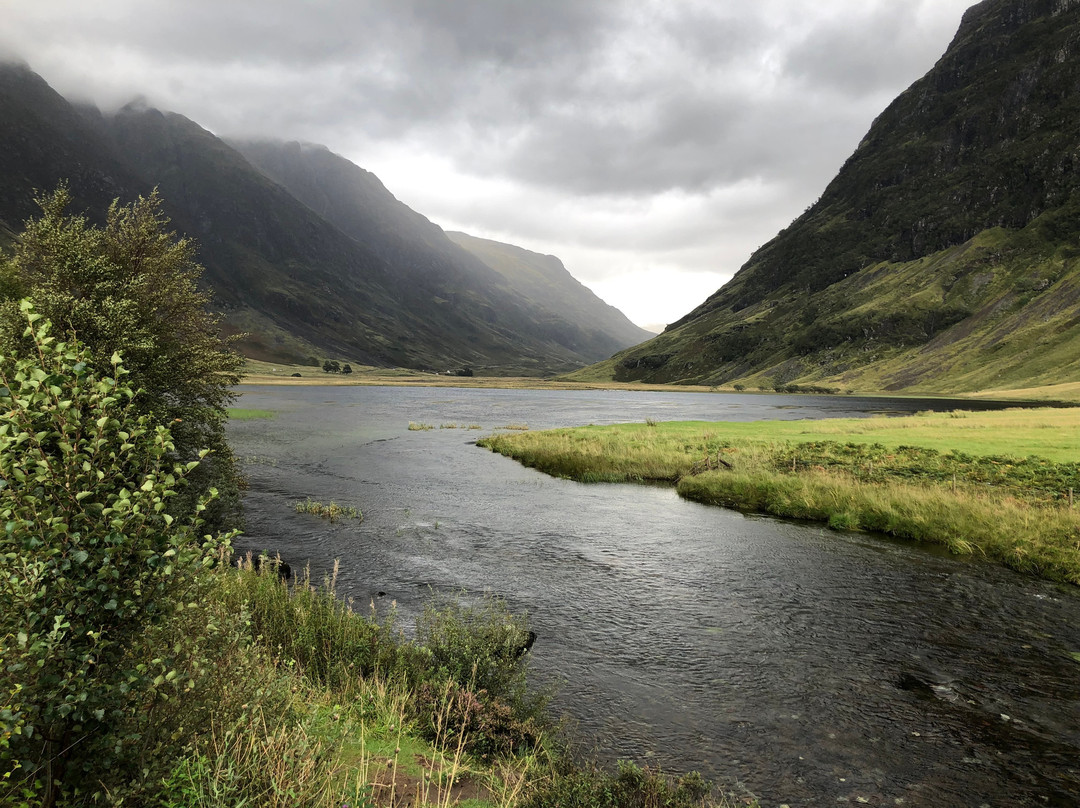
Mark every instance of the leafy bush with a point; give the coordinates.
(131, 287)
(478, 646)
(90, 562)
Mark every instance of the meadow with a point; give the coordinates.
(1001, 485)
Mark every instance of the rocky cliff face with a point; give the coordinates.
(958, 209)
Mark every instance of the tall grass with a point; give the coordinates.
(1042, 541)
(260, 761)
(331, 510)
(477, 649)
(1015, 510)
(309, 627)
(380, 719)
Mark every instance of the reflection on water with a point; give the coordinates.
(809, 665)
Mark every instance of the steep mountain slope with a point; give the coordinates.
(378, 284)
(944, 253)
(544, 279)
(44, 138)
(361, 207)
(267, 251)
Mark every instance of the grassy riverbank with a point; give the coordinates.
(993, 484)
(270, 373)
(312, 701)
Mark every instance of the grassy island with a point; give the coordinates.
(997, 484)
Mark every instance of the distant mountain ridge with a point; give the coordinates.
(560, 309)
(943, 256)
(306, 252)
(543, 278)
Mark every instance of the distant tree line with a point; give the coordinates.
(333, 366)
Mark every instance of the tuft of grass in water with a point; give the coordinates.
(331, 510)
(515, 427)
(419, 427)
(914, 477)
(243, 414)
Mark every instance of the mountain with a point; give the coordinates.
(43, 138)
(328, 266)
(942, 257)
(544, 279)
(548, 301)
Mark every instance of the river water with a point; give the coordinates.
(808, 666)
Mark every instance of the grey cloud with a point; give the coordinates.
(596, 97)
(608, 103)
(862, 52)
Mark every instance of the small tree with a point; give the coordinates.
(347, 368)
(131, 287)
(90, 561)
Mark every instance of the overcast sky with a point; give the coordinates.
(652, 146)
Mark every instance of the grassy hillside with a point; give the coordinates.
(544, 279)
(941, 257)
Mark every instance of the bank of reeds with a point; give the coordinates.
(1015, 511)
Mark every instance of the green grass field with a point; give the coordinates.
(242, 414)
(998, 484)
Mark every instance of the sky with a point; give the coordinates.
(652, 145)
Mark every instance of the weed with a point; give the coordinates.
(331, 511)
(242, 414)
(419, 427)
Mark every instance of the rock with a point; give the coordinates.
(284, 570)
(522, 649)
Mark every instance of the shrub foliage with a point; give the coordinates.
(90, 561)
(131, 287)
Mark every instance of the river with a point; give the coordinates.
(807, 666)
